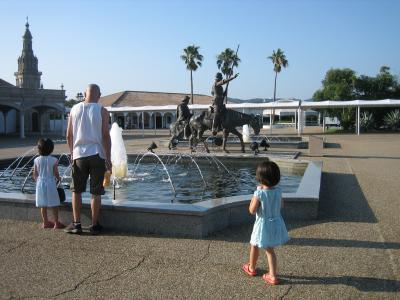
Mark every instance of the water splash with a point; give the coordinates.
(19, 160)
(198, 168)
(119, 158)
(164, 167)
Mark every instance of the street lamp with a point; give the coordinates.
(79, 97)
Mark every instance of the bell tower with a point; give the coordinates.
(28, 75)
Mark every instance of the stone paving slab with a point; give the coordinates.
(352, 251)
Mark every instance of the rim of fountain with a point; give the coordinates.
(307, 191)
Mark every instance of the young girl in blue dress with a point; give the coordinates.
(45, 172)
(269, 228)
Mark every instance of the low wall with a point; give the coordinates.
(175, 219)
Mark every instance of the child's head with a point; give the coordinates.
(45, 146)
(268, 173)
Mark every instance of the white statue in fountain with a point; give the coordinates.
(246, 134)
(119, 158)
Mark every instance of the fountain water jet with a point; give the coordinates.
(19, 159)
(164, 167)
(119, 158)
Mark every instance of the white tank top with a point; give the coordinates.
(87, 130)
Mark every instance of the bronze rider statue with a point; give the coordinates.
(183, 115)
(218, 101)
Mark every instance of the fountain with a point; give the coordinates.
(168, 193)
(118, 152)
(246, 134)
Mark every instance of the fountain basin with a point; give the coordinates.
(182, 219)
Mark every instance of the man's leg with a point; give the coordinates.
(78, 185)
(76, 206)
(95, 206)
(75, 227)
(97, 169)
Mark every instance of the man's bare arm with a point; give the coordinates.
(70, 138)
(106, 137)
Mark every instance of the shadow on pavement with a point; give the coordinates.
(342, 200)
(365, 284)
(318, 242)
(332, 145)
(362, 157)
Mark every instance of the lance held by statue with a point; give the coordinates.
(218, 106)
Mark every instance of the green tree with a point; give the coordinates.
(279, 60)
(343, 84)
(339, 85)
(193, 60)
(226, 60)
(71, 102)
(383, 86)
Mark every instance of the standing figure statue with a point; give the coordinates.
(183, 116)
(218, 101)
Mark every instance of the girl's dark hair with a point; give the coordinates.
(268, 173)
(45, 146)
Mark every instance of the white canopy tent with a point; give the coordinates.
(300, 106)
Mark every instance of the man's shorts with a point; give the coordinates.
(93, 166)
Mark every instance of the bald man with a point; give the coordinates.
(89, 142)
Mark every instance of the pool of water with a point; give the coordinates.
(178, 178)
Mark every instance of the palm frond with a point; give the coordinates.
(226, 60)
(192, 57)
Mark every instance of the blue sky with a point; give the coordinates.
(136, 45)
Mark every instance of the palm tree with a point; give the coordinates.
(279, 60)
(226, 60)
(192, 59)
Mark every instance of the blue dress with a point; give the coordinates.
(46, 188)
(269, 228)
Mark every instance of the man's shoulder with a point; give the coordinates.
(76, 106)
(103, 110)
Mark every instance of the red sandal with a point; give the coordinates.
(268, 279)
(246, 269)
(58, 225)
(47, 225)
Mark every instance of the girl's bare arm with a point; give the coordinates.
(254, 203)
(34, 173)
(55, 171)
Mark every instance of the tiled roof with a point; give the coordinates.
(135, 98)
(4, 83)
(109, 100)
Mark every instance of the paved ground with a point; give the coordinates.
(352, 251)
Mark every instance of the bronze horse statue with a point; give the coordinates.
(230, 120)
(176, 131)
